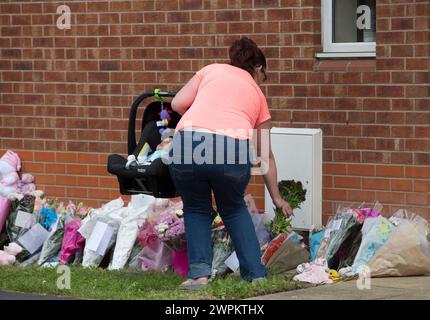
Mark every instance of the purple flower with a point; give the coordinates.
(171, 231)
(368, 212)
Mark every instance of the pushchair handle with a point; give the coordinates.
(132, 119)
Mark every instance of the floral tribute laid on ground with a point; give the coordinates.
(147, 238)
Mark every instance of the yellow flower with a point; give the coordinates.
(218, 219)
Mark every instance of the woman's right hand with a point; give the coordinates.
(284, 206)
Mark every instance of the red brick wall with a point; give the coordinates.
(65, 94)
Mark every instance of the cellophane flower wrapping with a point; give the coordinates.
(111, 213)
(44, 213)
(129, 230)
(403, 215)
(73, 241)
(148, 237)
(25, 204)
(263, 234)
(52, 246)
(272, 247)
(315, 238)
(134, 255)
(348, 250)
(5, 205)
(159, 206)
(375, 232)
(222, 248)
(108, 209)
(93, 259)
(177, 243)
(154, 254)
(348, 224)
(159, 259)
(171, 230)
(345, 241)
(180, 262)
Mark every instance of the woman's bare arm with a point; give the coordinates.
(268, 164)
(185, 97)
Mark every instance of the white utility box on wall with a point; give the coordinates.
(298, 154)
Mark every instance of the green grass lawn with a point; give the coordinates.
(127, 284)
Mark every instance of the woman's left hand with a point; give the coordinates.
(284, 206)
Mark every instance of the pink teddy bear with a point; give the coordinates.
(8, 255)
(10, 164)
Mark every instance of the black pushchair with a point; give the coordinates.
(154, 178)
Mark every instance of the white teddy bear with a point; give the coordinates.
(10, 164)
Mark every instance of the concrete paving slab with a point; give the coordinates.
(416, 288)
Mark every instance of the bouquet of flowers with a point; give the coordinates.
(48, 211)
(45, 215)
(73, 242)
(5, 205)
(109, 218)
(292, 192)
(128, 232)
(148, 237)
(345, 233)
(77, 211)
(349, 228)
(171, 230)
(19, 203)
(222, 248)
(153, 254)
(64, 214)
(4, 211)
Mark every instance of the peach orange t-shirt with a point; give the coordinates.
(228, 101)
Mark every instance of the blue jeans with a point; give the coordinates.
(195, 182)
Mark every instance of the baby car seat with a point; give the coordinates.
(154, 178)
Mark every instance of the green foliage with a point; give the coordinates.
(291, 191)
(280, 223)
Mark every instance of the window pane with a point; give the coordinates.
(350, 26)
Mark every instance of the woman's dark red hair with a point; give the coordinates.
(245, 54)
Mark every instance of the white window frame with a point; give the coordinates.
(341, 49)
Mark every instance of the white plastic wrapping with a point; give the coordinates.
(90, 221)
(52, 245)
(112, 214)
(263, 234)
(138, 211)
(376, 231)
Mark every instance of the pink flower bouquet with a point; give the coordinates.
(5, 205)
(73, 241)
(148, 237)
(155, 255)
(171, 231)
